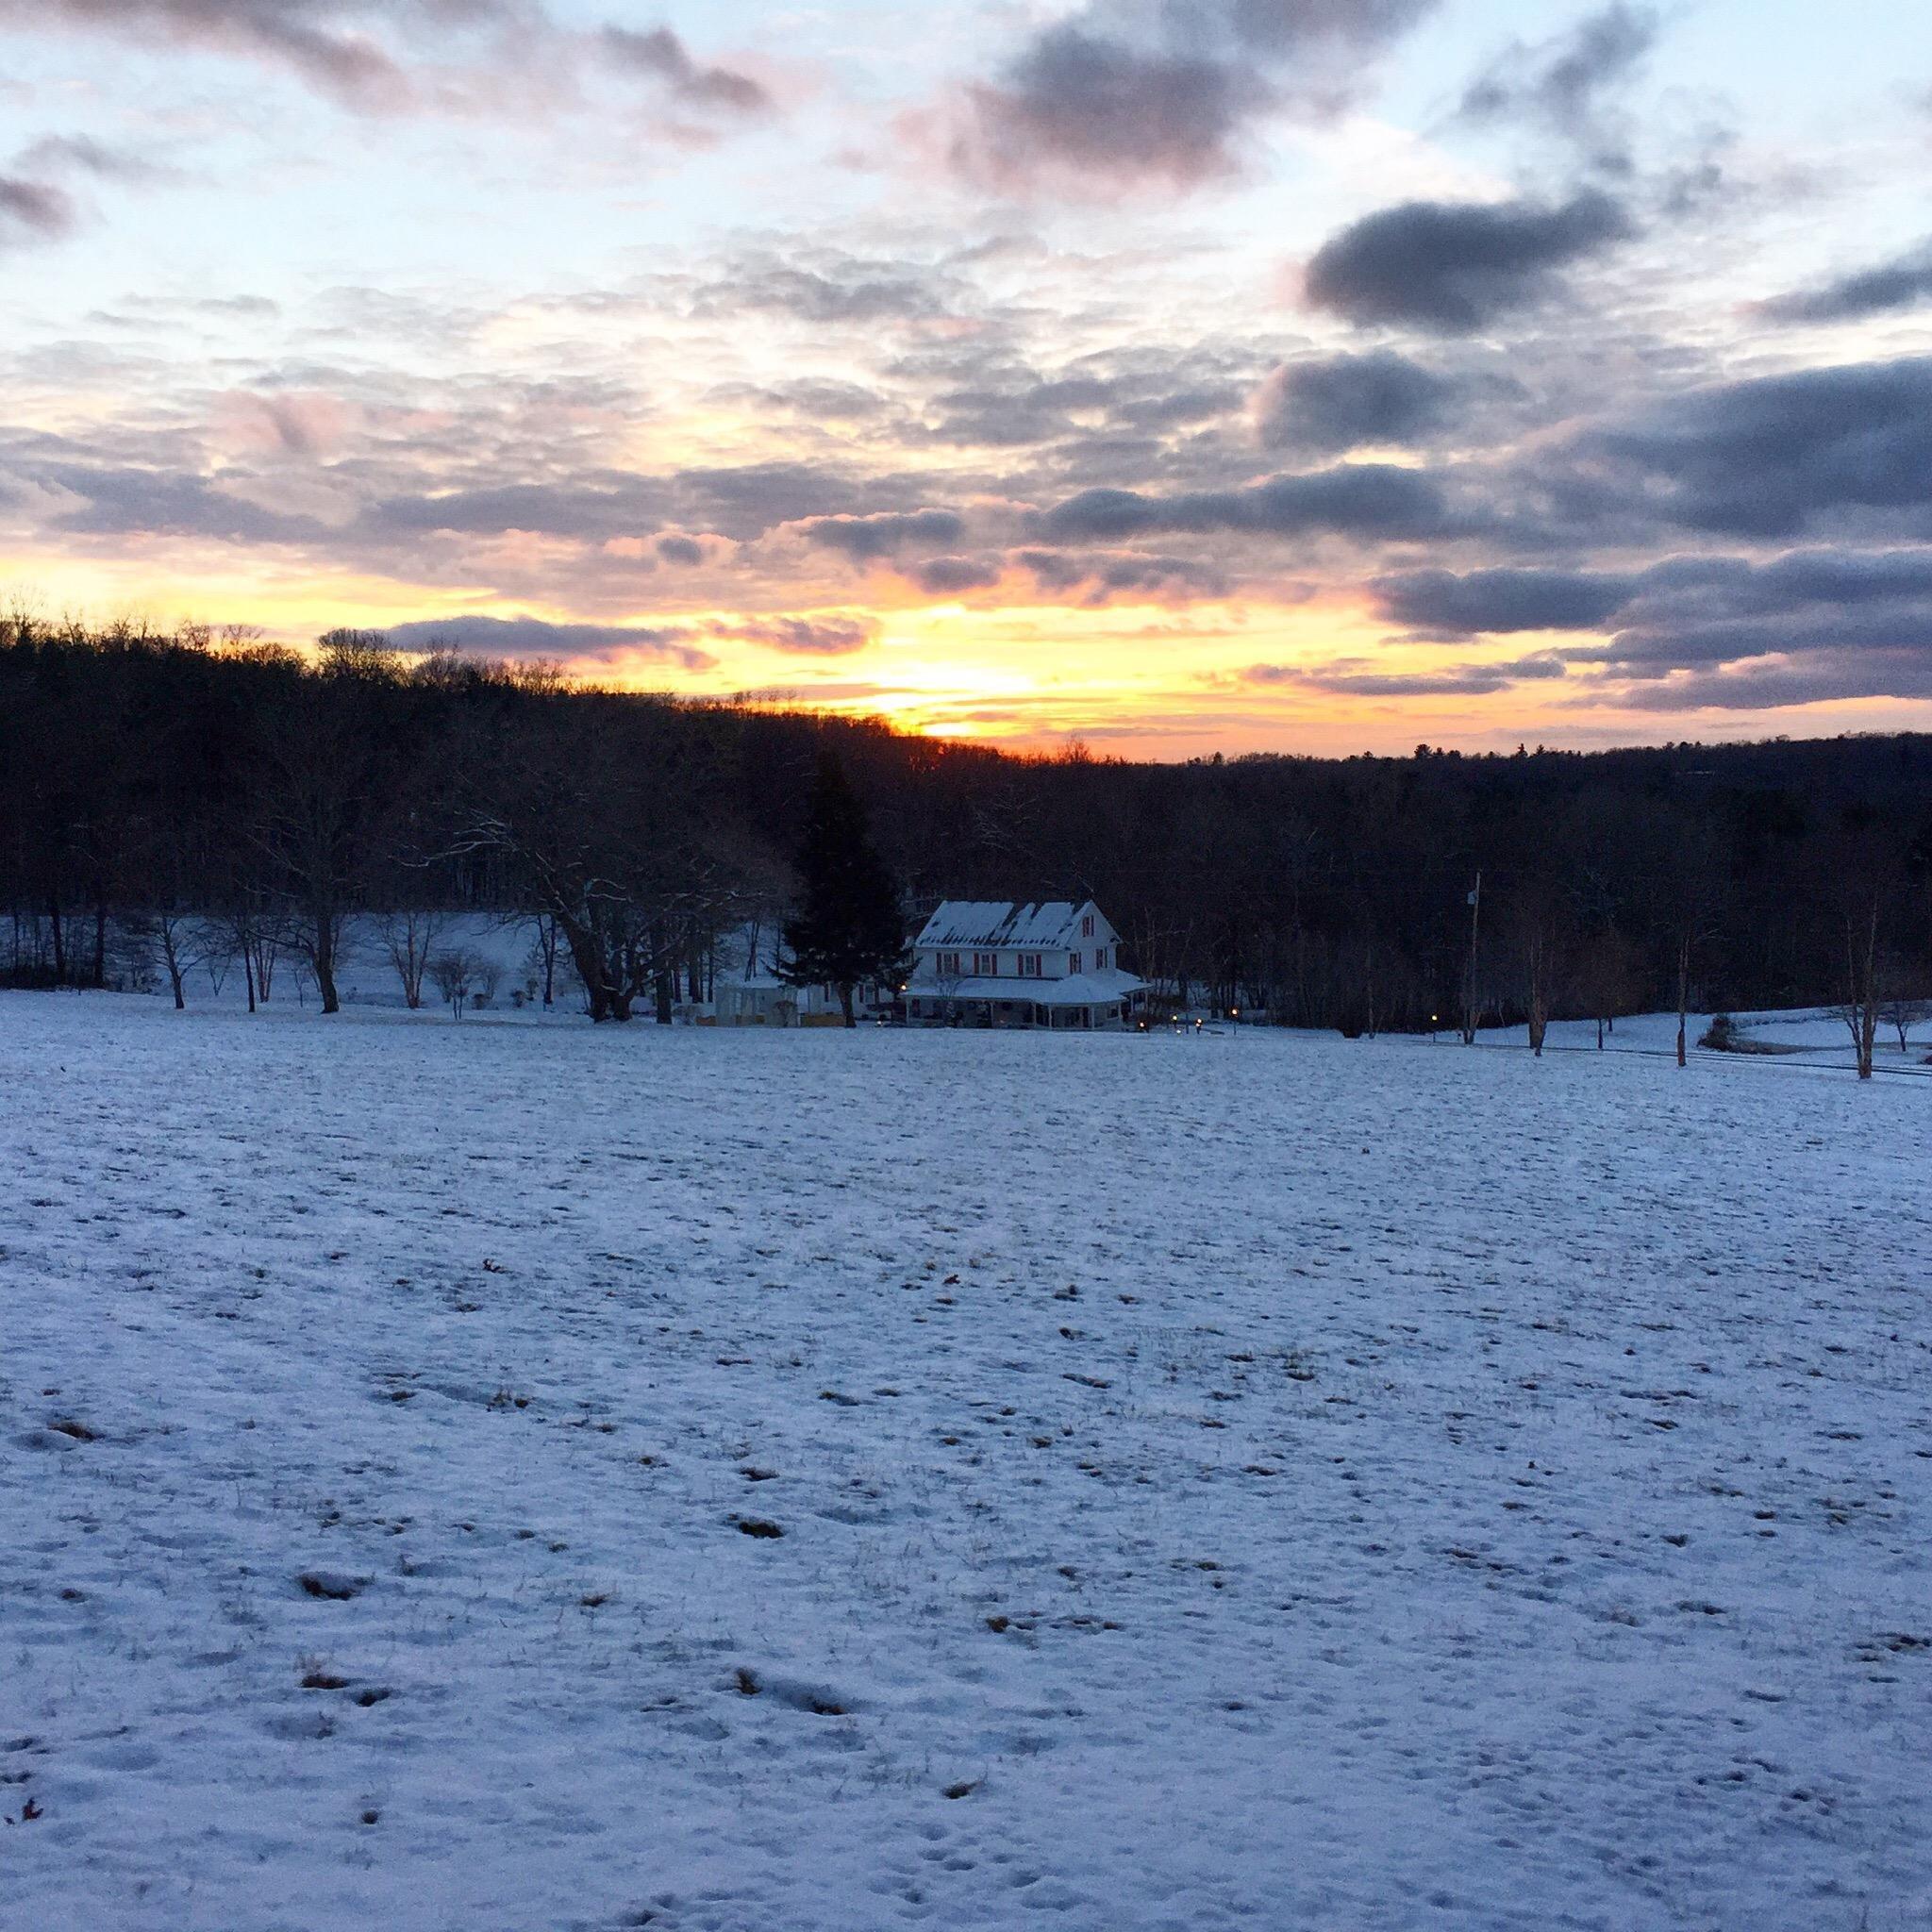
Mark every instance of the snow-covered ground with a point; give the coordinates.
(1239, 1481)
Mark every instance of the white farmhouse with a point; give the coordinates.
(989, 962)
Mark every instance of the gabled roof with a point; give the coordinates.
(994, 923)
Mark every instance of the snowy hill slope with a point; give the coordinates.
(508, 1475)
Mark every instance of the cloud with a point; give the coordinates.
(394, 55)
(1694, 632)
(884, 533)
(591, 512)
(947, 576)
(1011, 418)
(1660, 643)
(594, 506)
(830, 289)
(1100, 577)
(1122, 95)
(119, 501)
(1771, 455)
(660, 54)
(813, 399)
(292, 424)
(535, 637)
(809, 637)
(1714, 607)
(1562, 84)
(1455, 267)
(81, 153)
(1355, 678)
(1439, 604)
(1079, 101)
(1900, 283)
(812, 634)
(321, 41)
(1373, 500)
(33, 211)
(1770, 685)
(745, 500)
(1341, 403)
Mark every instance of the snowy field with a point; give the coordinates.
(501, 1476)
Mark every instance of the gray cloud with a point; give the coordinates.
(1035, 412)
(816, 634)
(831, 288)
(32, 210)
(1902, 282)
(1355, 678)
(1717, 598)
(1455, 267)
(1771, 455)
(535, 637)
(1770, 686)
(1078, 100)
(390, 56)
(1693, 632)
(1370, 500)
(740, 502)
(321, 41)
(1100, 577)
(1126, 94)
(746, 499)
(117, 501)
(1661, 644)
(804, 636)
(591, 512)
(946, 576)
(884, 533)
(80, 154)
(660, 54)
(1339, 403)
(1439, 604)
(1561, 85)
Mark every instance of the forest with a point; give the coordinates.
(159, 789)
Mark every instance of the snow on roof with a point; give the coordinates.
(1000, 922)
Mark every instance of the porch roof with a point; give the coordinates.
(1080, 990)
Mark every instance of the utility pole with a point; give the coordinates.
(1476, 911)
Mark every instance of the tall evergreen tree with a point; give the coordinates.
(848, 927)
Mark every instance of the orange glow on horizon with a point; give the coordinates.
(1148, 679)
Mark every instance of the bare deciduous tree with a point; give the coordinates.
(1902, 1015)
(454, 973)
(182, 942)
(407, 939)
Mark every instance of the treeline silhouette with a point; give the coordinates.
(154, 787)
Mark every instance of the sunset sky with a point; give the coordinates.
(1215, 374)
